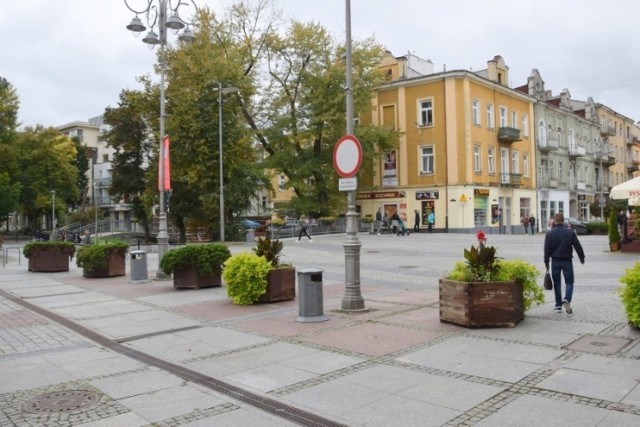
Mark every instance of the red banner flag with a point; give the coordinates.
(164, 178)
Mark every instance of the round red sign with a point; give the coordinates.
(347, 156)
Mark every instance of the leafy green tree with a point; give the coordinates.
(129, 136)
(46, 162)
(9, 105)
(298, 77)
(82, 166)
(9, 196)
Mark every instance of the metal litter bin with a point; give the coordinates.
(310, 296)
(139, 273)
(251, 236)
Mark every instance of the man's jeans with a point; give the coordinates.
(566, 267)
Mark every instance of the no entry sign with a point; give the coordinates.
(347, 156)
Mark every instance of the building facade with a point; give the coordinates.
(466, 151)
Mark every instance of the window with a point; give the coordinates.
(543, 133)
(426, 159)
(514, 119)
(475, 108)
(491, 159)
(504, 164)
(525, 124)
(503, 117)
(490, 121)
(525, 165)
(425, 112)
(105, 158)
(561, 171)
(281, 182)
(552, 169)
(572, 140)
(515, 162)
(476, 159)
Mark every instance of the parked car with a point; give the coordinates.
(287, 229)
(575, 224)
(249, 223)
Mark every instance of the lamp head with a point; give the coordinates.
(151, 38)
(187, 36)
(136, 25)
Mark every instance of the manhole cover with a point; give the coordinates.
(61, 401)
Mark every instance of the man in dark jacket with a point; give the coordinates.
(559, 244)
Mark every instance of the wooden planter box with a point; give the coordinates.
(188, 278)
(48, 261)
(115, 267)
(478, 304)
(281, 285)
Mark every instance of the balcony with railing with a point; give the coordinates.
(577, 150)
(632, 165)
(548, 144)
(102, 182)
(507, 134)
(510, 179)
(606, 130)
(607, 159)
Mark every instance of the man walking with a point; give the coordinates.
(559, 244)
(416, 225)
(379, 220)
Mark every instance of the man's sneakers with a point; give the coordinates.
(567, 307)
(558, 309)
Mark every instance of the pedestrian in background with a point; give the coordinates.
(304, 229)
(431, 218)
(416, 225)
(532, 224)
(525, 222)
(379, 220)
(559, 244)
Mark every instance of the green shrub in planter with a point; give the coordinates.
(508, 270)
(33, 247)
(206, 258)
(245, 275)
(630, 294)
(614, 232)
(96, 257)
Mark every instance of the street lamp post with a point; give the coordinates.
(53, 212)
(222, 91)
(156, 14)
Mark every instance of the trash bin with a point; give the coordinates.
(310, 296)
(251, 235)
(139, 273)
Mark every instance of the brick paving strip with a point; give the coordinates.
(271, 406)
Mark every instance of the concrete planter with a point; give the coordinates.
(477, 304)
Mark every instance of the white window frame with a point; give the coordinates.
(491, 159)
(503, 116)
(490, 120)
(525, 124)
(514, 119)
(525, 165)
(475, 112)
(561, 171)
(504, 164)
(425, 112)
(282, 181)
(426, 159)
(477, 158)
(542, 130)
(515, 161)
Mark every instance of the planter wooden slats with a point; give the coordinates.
(188, 278)
(48, 261)
(478, 304)
(281, 285)
(115, 267)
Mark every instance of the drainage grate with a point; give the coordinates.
(598, 344)
(61, 401)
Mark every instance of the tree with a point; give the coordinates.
(298, 79)
(130, 137)
(46, 162)
(82, 166)
(9, 196)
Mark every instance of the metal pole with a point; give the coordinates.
(352, 300)
(163, 236)
(95, 205)
(220, 161)
(53, 212)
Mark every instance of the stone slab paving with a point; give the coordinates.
(395, 364)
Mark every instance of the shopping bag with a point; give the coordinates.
(548, 283)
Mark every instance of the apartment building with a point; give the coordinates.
(99, 173)
(466, 150)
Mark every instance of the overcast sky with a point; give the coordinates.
(69, 59)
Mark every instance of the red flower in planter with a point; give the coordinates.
(482, 261)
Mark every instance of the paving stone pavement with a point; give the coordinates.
(107, 352)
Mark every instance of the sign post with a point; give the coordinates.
(347, 156)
